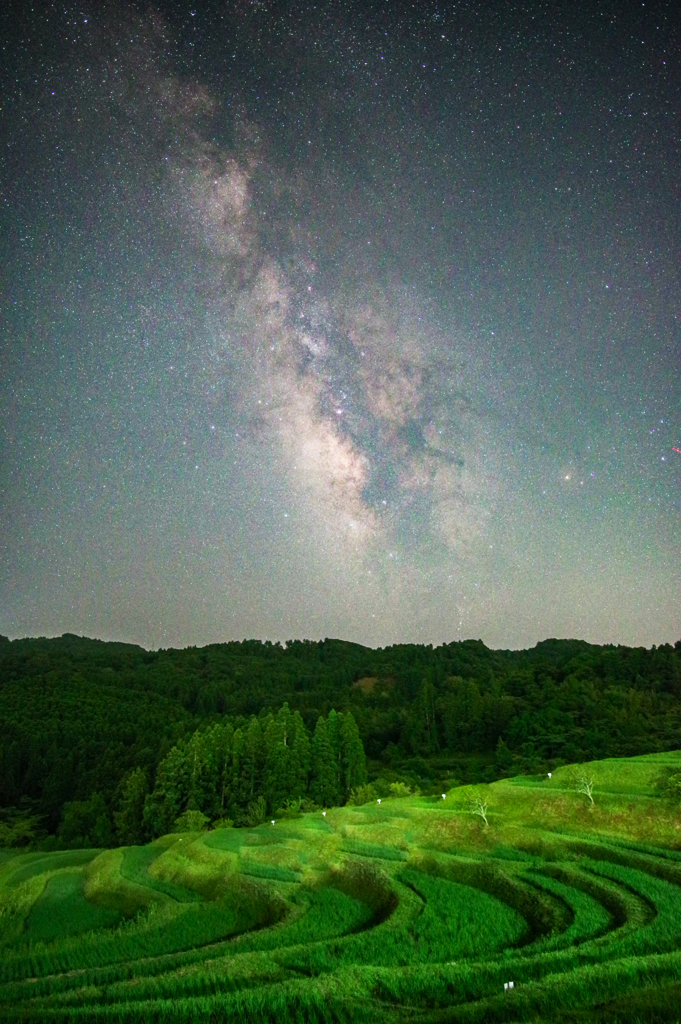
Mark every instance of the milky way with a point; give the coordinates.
(340, 320)
(363, 392)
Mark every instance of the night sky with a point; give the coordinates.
(356, 320)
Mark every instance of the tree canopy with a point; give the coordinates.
(113, 742)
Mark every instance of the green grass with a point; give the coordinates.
(62, 910)
(271, 871)
(135, 867)
(592, 907)
(381, 851)
(231, 839)
(411, 911)
(30, 864)
(459, 921)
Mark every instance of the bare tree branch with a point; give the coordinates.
(479, 807)
(585, 785)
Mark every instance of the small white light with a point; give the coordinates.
(379, 800)
(549, 774)
(444, 795)
(273, 821)
(323, 814)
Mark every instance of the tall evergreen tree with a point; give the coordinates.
(201, 768)
(252, 756)
(300, 757)
(353, 758)
(128, 819)
(422, 724)
(206, 756)
(226, 755)
(236, 802)
(170, 794)
(276, 773)
(323, 785)
(334, 725)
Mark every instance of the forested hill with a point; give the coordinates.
(77, 716)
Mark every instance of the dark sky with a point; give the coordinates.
(341, 319)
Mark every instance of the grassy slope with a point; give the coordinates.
(408, 910)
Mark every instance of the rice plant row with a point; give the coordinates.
(415, 911)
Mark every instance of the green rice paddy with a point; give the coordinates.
(411, 911)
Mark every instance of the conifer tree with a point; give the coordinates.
(323, 782)
(300, 757)
(236, 802)
(252, 762)
(334, 725)
(422, 725)
(284, 721)
(276, 775)
(353, 757)
(284, 732)
(129, 817)
(170, 793)
(226, 754)
(202, 772)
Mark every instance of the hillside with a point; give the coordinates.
(79, 716)
(408, 909)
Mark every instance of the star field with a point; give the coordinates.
(346, 319)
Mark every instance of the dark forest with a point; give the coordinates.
(104, 743)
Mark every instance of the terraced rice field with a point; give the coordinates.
(411, 910)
